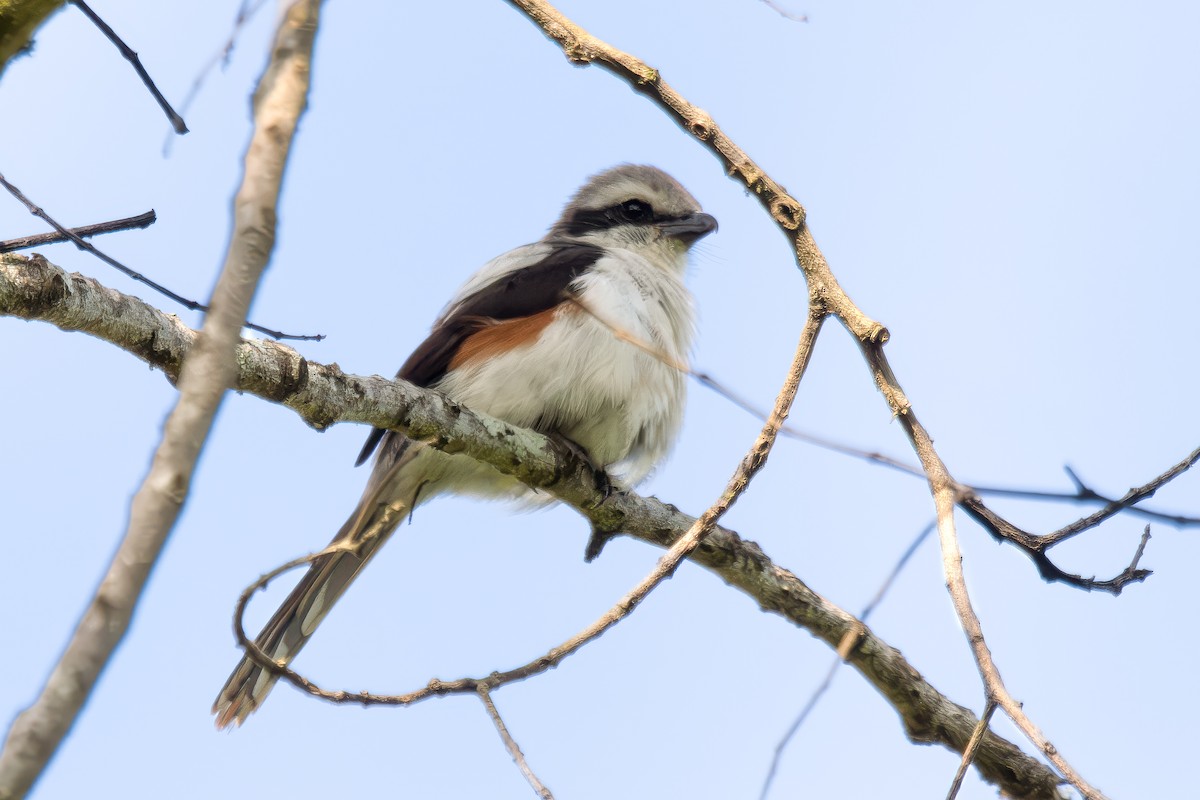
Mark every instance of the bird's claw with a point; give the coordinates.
(600, 479)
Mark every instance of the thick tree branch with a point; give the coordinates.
(205, 376)
(32, 288)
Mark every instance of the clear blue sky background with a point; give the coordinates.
(1012, 188)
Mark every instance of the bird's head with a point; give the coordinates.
(635, 207)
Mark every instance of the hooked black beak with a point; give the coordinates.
(689, 229)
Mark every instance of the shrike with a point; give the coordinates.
(579, 335)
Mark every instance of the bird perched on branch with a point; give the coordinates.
(581, 336)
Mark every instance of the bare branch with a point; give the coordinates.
(1117, 506)
(945, 495)
(1085, 494)
(1082, 493)
(485, 696)
(204, 378)
(131, 56)
(37, 240)
(191, 305)
(1036, 546)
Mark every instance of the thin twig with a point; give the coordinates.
(132, 57)
(790, 431)
(1086, 495)
(191, 305)
(207, 374)
(1036, 546)
(969, 751)
(1117, 506)
(37, 240)
(485, 696)
(1082, 493)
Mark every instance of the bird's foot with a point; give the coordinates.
(600, 479)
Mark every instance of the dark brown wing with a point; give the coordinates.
(520, 293)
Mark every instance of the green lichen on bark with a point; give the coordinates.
(18, 20)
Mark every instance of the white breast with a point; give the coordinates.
(585, 379)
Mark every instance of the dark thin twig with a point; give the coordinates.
(1036, 547)
(901, 563)
(1033, 545)
(712, 383)
(132, 57)
(1086, 495)
(191, 305)
(844, 650)
(801, 718)
(37, 240)
(969, 751)
(1082, 493)
(1115, 507)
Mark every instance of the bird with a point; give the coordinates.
(579, 336)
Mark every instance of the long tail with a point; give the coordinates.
(326, 580)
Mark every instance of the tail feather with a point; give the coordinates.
(327, 579)
(289, 630)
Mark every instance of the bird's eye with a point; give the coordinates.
(636, 211)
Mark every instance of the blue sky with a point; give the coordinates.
(1011, 188)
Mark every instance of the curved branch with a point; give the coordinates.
(32, 288)
(580, 47)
